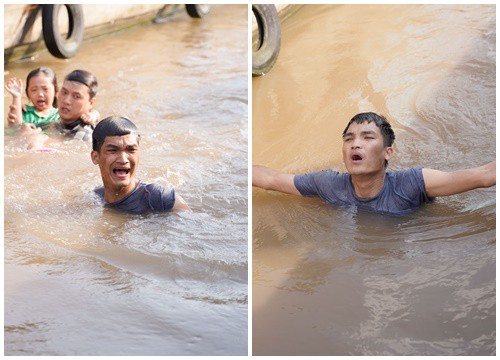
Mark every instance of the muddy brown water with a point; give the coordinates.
(329, 281)
(83, 280)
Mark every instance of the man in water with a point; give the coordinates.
(75, 104)
(115, 148)
(366, 150)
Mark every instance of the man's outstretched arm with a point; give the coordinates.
(269, 179)
(440, 183)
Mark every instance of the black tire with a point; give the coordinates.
(264, 58)
(57, 45)
(197, 11)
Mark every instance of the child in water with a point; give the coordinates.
(41, 89)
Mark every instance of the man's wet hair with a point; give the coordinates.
(86, 78)
(112, 126)
(381, 122)
(48, 72)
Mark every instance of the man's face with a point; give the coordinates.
(73, 101)
(118, 160)
(363, 150)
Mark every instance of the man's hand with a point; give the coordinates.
(15, 115)
(12, 115)
(439, 183)
(91, 117)
(180, 204)
(269, 179)
(33, 135)
(15, 87)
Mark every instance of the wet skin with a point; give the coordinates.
(363, 149)
(118, 160)
(41, 92)
(364, 156)
(73, 101)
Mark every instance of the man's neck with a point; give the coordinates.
(70, 124)
(114, 194)
(368, 186)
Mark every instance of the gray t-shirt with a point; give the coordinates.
(144, 198)
(403, 191)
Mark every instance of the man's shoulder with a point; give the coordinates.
(153, 195)
(329, 176)
(408, 183)
(159, 197)
(399, 175)
(324, 182)
(327, 173)
(152, 187)
(77, 130)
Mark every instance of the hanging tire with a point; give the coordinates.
(197, 11)
(264, 58)
(59, 46)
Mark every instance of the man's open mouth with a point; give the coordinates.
(121, 172)
(356, 157)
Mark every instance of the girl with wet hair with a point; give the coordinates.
(41, 90)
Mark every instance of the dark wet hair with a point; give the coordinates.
(112, 126)
(48, 72)
(381, 122)
(86, 78)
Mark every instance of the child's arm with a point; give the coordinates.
(15, 87)
(91, 117)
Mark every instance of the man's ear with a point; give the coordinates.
(94, 155)
(389, 151)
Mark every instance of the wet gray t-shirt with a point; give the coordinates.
(144, 198)
(403, 191)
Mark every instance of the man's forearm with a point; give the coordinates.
(439, 183)
(270, 179)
